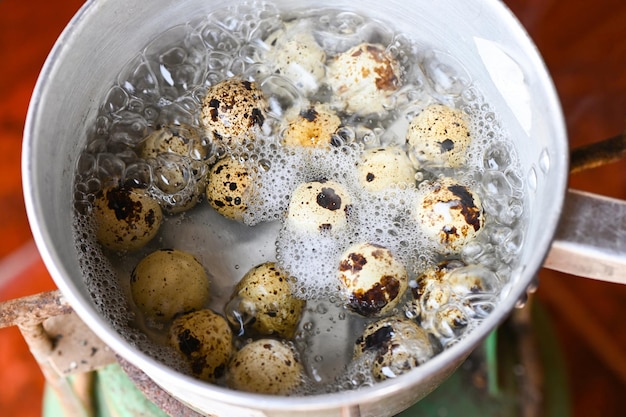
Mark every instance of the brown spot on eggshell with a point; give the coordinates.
(378, 339)
(467, 206)
(369, 303)
(354, 263)
(310, 114)
(329, 199)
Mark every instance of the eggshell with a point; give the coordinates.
(313, 126)
(229, 188)
(205, 340)
(372, 279)
(439, 137)
(381, 168)
(126, 218)
(363, 78)
(397, 345)
(232, 109)
(178, 157)
(295, 54)
(449, 213)
(265, 366)
(169, 282)
(318, 207)
(275, 310)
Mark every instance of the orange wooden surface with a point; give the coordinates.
(584, 45)
(27, 32)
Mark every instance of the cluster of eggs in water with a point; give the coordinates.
(332, 196)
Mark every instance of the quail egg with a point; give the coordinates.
(371, 279)
(363, 78)
(442, 291)
(449, 213)
(313, 127)
(381, 168)
(126, 218)
(474, 279)
(169, 282)
(179, 160)
(319, 206)
(450, 321)
(434, 276)
(204, 338)
(229, 188)
(178, 139)
(231, 110)
(397, 346)
(295, 54)
(265, 366)
(439, 137)
(264, 294)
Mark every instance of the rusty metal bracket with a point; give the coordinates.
(66, 350)
(597, 154)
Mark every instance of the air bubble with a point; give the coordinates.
(116, 100)
(497, 157)
(532, 179)
(544, 161)
(445, 73)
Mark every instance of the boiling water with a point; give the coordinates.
(165, 84)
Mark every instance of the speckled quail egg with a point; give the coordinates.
(229, 188)
(179, 160)
(381, 168)
(467, 279)
(441, 292)
(431, 291)
(319, 206)
(126, 218)
(397, 344)
(205, 339)
(450, 320)
(295, 54)
(264, 293)
(265, 366)
(439, 137)
(179, 139)
(363, 78)
(313, 126)
(449, 213)
(169, 282)
(434, 276)
(372, 279)
(231, 110)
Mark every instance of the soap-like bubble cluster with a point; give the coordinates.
(164, 85)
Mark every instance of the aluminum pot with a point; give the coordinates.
(482, 34)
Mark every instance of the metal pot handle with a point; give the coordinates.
(591, 237)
